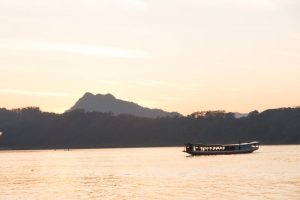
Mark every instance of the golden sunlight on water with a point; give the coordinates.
(272, 172)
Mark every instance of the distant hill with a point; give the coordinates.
(29, 128)
(109, 104)
(240, 115)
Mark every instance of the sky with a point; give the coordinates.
(178, 55)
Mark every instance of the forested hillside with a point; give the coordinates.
(29, 128)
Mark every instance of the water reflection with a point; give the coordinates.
(149, 173)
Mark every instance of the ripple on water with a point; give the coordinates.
(149, 173)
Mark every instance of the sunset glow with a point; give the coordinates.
(182, 56)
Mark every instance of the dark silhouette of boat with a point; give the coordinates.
(217, 149)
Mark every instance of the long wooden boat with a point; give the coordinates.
(217, 149)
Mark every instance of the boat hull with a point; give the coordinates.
(195, 153)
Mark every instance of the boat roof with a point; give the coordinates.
(244, 143)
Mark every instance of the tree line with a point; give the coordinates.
(30, 128)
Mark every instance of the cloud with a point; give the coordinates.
(33, 93)
(81, 49)
(259, 5)
(138, 4)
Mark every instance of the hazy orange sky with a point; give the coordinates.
(237, 55)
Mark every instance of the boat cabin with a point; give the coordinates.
(219, 148)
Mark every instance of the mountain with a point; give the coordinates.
(109, 104)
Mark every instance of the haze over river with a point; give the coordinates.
(272, 172)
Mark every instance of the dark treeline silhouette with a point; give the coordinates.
(29, 128)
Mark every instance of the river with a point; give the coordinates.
(272, 172)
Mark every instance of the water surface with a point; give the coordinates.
(272, 172)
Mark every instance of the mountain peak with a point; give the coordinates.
(109, 104)
(108, 96)
(88, 94)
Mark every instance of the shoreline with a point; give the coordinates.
(114, 147)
